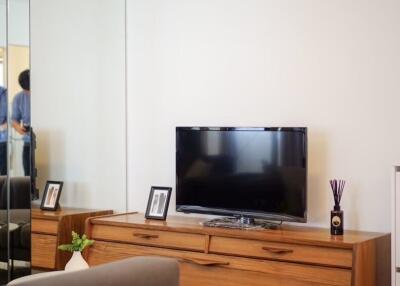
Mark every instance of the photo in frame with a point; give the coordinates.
(51, 195)
(157, 206)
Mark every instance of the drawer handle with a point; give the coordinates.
(145, 236)
(204, 262)
(277, 250)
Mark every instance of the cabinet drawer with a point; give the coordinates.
(44, 250)
(198, 275)
(282, 251)
(199, 269)
(44, 226)
(158, 238)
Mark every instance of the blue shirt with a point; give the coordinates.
(3, 113)
(21, 111)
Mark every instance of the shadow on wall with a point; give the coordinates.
(50, 158)
(51, 162)
(318, 201)
(350, 195)
(80, 192)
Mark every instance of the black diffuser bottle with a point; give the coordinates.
(336, 221)
(337, 214)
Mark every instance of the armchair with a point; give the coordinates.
(137, 271)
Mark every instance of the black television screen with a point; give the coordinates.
(250, 172)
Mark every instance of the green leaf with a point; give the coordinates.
(66, 247)
(75, 235)
(78, 243)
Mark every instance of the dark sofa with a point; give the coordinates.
(19, 214)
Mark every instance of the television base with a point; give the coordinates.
(241, 223)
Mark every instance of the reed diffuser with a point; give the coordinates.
(337, 214)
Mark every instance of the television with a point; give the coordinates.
(256, 173)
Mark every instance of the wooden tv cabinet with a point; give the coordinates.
(289, 256)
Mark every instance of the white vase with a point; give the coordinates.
(76, 262)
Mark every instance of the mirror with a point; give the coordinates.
(15, 140)
(3, 145)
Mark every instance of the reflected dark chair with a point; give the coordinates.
(20, 193)
(19, 213)
(3, 193)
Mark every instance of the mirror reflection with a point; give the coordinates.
(15, 141)
(3, 146)
(3, 120)
(20, 121)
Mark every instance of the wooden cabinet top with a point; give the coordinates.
(285, 233)
(37, 213)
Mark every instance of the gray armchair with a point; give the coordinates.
(137, 271)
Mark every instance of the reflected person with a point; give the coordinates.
(3, 131)
(21, 117)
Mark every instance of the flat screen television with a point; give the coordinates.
(244, 172)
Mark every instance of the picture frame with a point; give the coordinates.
(158, 203)
(51, 195)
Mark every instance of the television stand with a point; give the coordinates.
(213, 256)
(241, 222)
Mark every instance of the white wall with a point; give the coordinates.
(78, 99)
(332, 66)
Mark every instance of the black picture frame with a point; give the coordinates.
(51, 195)
(158, 195)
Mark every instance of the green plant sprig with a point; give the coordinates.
(78, 243)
